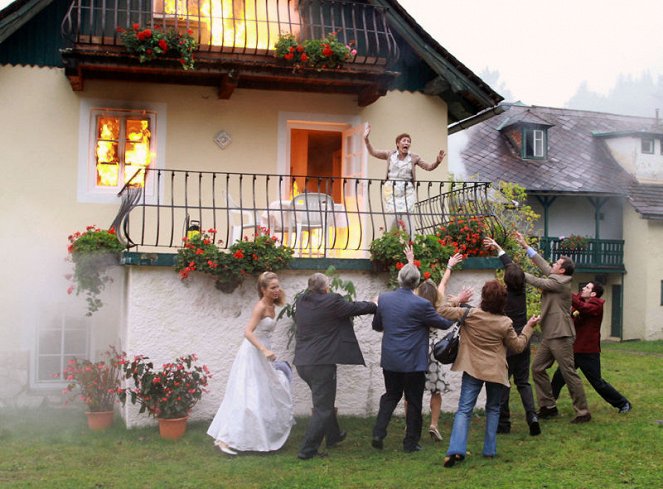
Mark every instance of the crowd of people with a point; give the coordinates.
(256, 413)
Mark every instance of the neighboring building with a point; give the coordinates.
(84, 121)
(589, 174)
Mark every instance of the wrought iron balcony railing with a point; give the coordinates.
(321, 216)
(241, 27)
(598, 254)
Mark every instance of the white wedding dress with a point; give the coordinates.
(256, 411)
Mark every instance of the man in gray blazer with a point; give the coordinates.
(558, 335)
(324, 338)
(404, 318)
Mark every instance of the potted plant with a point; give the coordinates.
(168, 393)
(98, 383)
(150, 44)
(326, 53)
(573, 242)
(92, 252)
(243, 258)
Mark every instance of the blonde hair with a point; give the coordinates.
(263, 282)
(428, 290)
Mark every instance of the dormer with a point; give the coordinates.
(639, 151)
(527, 133)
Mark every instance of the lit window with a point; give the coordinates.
(57, 343)
(534, 143)
(647, 145)
(122, 149)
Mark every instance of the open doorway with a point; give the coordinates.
(316, 153)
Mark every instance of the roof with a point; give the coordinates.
(577, 161)
(647, 200)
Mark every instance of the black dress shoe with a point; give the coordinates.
(416, 448)
(377, 443)
(547, 413)
(534, 427)
(625, 408)
(503, 429)
(341, 436)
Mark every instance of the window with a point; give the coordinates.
(122, 148)
(117, 143)
(64, 338)
(534, 143)
(647, 145)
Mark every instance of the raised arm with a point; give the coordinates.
(431, 166)
(256, 316)
(452, 262)
(383, 155)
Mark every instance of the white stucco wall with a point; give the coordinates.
(166, 318)
(628, 153)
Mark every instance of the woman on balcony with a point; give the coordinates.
(256, 412)
(398, 192)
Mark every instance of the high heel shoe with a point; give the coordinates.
(225, 448)
(434, 433)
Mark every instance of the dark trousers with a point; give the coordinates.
(321, 379)
(396, 384)
(590, 365)
(519, 370)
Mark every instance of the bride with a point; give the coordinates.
(256, 411)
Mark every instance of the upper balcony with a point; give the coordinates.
(600, 255)
(235, 43)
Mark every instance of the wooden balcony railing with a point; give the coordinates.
(598, 254)
(321, 216)
(240, 27)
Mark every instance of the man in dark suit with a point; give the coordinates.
(404, 318)
(324, 338)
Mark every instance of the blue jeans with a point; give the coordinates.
(469, 391)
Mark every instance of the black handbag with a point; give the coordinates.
(445, 350)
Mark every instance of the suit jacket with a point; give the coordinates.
(325, 333)
(405, 318)
(587, 323)
(484, 338)
(556, 319)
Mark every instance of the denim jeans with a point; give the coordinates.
(469, 391)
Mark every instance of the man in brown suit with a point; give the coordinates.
(558, 335)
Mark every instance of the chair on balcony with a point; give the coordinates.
(309, 211)
(239, 219)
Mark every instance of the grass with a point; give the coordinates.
(54, 449)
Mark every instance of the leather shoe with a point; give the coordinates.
(534, 427)
(308, 456)
(341, 436)
(377, 443)
(625, 408)
(416, 448)
(547, 413)
(585, 418)
(450, 460)
(503, 429)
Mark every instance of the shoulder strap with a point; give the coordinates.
(462, 320)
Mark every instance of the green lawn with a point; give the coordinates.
(53, 448)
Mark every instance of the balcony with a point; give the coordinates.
(235, 43)
(600, 255)
(317, 216)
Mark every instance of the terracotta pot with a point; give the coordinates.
(172, 429)
(99, 420)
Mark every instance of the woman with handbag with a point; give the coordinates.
(436, 382)
(485, 336)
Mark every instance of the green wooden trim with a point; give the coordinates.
(168, 260)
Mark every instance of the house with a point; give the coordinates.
(594, 175)
(91, 135)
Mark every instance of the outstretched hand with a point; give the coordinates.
(521, 240)
(367, 131)
(441, 155)
(409, 254)
(490, 244)
(464, 296)
(455, 260)
(533, 321)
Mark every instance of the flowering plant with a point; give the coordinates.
(328, 52)
(92, 252)
(430, 251)
(243, 258)
(149, 44)
(465, 235)
(573, 242)
(170, 392)
(98, 382)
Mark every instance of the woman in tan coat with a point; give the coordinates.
(485, 335)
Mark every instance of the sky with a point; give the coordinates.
(544, 50)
